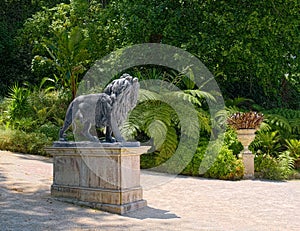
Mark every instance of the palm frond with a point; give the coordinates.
(295, 125)
(204, 121)
(129, 130)
(286, 162)
(232, 110)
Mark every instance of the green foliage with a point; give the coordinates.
(226, 166)
(279, 132)
(286, 121)
(49, 106)
(15, 58)
(65, 40)
(50, 130)
(19, 105)
(254, 54)
(33, 122)
(20, 141)
(272, 168)
(155, 118)
(293, 147)
(231, 141)
(267, 142)
(30, 112)
(193, 167)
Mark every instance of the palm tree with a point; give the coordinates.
(69, 54)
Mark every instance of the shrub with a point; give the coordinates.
(19, 141)
(49, 130)
(193, 167)
(272, 168)
(42, 107)
(226, 166)
(232, 142)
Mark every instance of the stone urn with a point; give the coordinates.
(246, 136)
(245, 124)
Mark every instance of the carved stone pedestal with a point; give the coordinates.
(246, 136)
(106, 178)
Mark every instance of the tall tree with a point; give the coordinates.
(15, 60)
(252, 47)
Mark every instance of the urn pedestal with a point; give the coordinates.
(105, 178)
(246, 136)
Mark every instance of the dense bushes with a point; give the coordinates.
(24, 142)
(30, 119)
(251, 47)
(268, 167)
(277, 144)
(225, 166)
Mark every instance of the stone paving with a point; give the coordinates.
(174, 203)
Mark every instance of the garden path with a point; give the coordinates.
(174, 203)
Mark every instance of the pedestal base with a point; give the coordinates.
(113, 201)
(248, 160)
(106, 178)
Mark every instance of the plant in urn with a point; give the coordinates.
(246, 125)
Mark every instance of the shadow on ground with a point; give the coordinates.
(149, 212)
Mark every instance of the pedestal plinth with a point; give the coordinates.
(248, 160)
(106, 178)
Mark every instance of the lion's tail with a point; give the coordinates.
(67, 122)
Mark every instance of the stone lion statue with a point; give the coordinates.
(108, 109)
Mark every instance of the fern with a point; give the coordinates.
(279, 122)
(293, 146)
(286, 164)
(236, 102)
(145, 95)
(285, 112)
(182, 96)
(295, 125)
(201, 95)
(158, 131)
(286, 119)
(169, 146)
(267, 143)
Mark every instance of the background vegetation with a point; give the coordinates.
(251, 47)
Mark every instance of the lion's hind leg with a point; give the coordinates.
(86, 132)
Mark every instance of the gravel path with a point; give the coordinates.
(181, 203)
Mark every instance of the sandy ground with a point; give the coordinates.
(174, 203)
